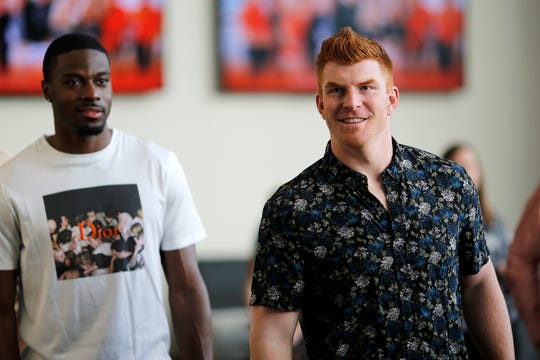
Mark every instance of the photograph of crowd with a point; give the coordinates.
(96, 231)
(130, 30)
(270, 45)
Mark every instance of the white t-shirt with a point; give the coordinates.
(140, 195)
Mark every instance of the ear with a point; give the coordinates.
(320, 104)
(393, 100)
(45, 90)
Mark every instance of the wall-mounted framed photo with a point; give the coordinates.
(270, 45)
(131, 31)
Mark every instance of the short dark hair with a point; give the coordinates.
(67, 43)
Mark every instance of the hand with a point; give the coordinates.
(139, 242)
(123, 254)
(88, 269)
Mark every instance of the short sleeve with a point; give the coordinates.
(10, 238)
(473, 250)
(278, 272)
(182, 225)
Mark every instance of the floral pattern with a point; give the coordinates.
(372, 283)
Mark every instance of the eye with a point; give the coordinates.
(102, 81)
(73, 82)
(334, 91)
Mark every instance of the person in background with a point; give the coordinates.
(524, 267)
(377, 248)
(498, 237)
(87, 164)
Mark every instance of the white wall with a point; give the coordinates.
(237, 148)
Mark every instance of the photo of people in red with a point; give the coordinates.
(96, 231)
(270, 45)
(130, 30)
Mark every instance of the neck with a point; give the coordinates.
(78, 144)
(369, 159)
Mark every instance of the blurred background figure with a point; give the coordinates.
(10, 10)
(258, 20)
(524, 268)
(448, 31)
(497, 235)
(498, 239)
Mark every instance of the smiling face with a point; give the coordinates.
(80, 91)
(356, 102)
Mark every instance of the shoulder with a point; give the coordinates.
(23, 160)
(149, 157)
(305, 182)
(424, 161)
(137, 142)
(428, 160)
(426, 170)
(4, 155)
(140, 148)
(530, 217)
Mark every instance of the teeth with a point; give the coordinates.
(353, 120)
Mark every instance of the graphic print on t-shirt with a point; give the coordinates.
(96, 231)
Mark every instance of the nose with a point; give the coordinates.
(90, 91)
(352, 99)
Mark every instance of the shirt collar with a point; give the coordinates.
(395, 168)
(341, 171)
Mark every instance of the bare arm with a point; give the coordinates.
(189, 302)
(272, 333)
(524, 267)
(524, 283)
(486, 314)
(9, 346)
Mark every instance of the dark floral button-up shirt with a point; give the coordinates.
(372, 283)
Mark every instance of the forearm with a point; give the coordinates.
(9, 346)
(524, 267)
(133, 260)
(190, 310)
(9, 343)
(524, 284)
(488, 321)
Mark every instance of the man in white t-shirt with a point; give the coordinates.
(67, 309)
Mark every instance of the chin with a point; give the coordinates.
(92, 131)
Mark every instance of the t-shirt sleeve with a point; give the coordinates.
(182, 225)
(473, 253)
(278, 271)
(10, 239)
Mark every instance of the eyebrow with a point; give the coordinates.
(362, 83)
(75, 74)
(332, 84)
